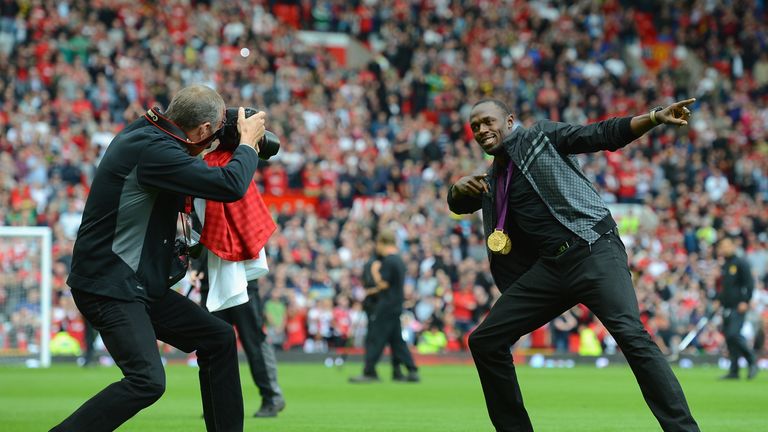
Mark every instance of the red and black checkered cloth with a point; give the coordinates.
(236, 231)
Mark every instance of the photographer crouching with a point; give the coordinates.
(122, 264)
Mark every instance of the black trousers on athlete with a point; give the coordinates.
(130, 331)
(598, 277)
(248, 319)
(385, 329)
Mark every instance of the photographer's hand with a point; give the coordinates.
(251, 129)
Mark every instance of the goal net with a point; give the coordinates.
(25, 295)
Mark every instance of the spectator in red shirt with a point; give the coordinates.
(341, 322)
(295, 327)
(275, 180)
(464, 305)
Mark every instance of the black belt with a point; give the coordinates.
(602, 227)
(565, 245)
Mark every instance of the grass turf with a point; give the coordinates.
(448, 399)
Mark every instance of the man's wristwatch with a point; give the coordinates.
(652, 114)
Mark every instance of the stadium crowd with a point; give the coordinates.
(378, 145)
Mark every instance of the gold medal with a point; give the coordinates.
(499, 242)
(508, 247)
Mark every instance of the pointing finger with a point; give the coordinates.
(685, 102)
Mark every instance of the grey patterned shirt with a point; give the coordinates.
(544, 154)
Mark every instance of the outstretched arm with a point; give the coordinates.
(676, 114)
(615, 133)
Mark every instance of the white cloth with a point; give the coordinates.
(228, 280)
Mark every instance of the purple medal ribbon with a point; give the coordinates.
(502, 201)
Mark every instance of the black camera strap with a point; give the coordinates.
(185, 227)
(158, 120)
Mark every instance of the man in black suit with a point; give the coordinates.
(536, 187)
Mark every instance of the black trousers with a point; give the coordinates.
(248, 319)
(385, 329)
(130, 331)
(737, 345)
(598, 277)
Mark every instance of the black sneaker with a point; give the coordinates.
(270, 409)
(361, 379)
(412, 377)
(753, 370)
(730, 376)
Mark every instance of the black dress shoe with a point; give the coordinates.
(361, 379)
(730, 376)
(753, 370)
(270, 409)
(412, 377)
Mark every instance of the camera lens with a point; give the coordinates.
(229, 136)
(269, 145)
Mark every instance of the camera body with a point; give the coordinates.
(229, 136)
(177, 270)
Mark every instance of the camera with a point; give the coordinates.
(229, 136)
(177, 270)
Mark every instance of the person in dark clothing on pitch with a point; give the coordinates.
(737, 286)
(369, 307)
(248, 319)
(124, 254)
(384, 328)
(535, 188)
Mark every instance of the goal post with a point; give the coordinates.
(43, 237)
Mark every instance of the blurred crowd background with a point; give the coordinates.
(378, 145)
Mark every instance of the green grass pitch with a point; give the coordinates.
(448, 399)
